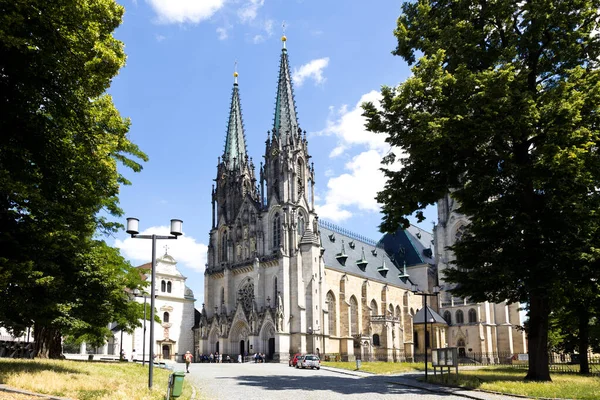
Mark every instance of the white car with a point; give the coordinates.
(309, 361)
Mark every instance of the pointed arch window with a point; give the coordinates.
(301, 225)
(223, 246)
(222, 295)
(373, 308)
(458, 235)
(163, 286)
(331, 314)
(472, 316)
(300, 184)
(275, 293)
(353, 316)
(169, 286)
(165, 317)
(460, 317)
(276, 231)
(448, 317)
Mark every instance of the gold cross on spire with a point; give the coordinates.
(235, 73)
(283, 38)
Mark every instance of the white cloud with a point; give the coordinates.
(268, 26)
(313, 70)
(258, 39)
(356, 188)
(223, 34)
(249, 11)
(349, 127)
(160, 38)
(185, 11)
(185, 250)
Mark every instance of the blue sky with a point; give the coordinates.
(176, 88)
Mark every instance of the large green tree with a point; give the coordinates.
(502, 111)
(60, 144)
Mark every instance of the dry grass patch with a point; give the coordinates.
(86, 380)
(511, 381)
(380, 368)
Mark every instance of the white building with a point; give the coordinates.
(174, 306)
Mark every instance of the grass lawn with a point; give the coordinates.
(85, 380)
(510, 381)
(380, 368)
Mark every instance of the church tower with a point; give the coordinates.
(287, 193)
(287, 178)
(235, 199)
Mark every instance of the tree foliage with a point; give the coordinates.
(62, 140)
(502, 111)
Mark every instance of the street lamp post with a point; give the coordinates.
(132, 229)
(137, 294)
(415, 290)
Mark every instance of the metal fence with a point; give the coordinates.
(557, 362)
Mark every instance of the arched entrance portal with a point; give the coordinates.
(461, 348)
(267, 336)
(239, 333)
(271, 348)
(213, 341)
(166, 352)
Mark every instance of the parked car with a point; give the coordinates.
(309, 361)
(294, 360)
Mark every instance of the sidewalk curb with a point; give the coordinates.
(4, 388)
(360, 374)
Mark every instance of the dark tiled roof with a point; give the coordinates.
(413, 245)
(353, 251)
(433, 317)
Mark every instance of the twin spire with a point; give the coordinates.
(285, 123)
(235, 142)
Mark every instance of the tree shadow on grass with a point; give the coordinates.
(32, 366)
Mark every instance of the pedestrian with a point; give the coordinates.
(188, 357)
(239, 358)
(133, 355)
(220, 358)
(211, 358)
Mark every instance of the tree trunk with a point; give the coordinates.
(47, 342)
(584, 339)
(539, 312)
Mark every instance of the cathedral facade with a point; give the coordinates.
(279, 281)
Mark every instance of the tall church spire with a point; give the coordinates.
(235, 143)
(285, 124)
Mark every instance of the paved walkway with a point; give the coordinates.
(251, 381)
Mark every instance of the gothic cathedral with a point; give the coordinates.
(278, 281)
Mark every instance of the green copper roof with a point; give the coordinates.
(235, 142)
(285, 122)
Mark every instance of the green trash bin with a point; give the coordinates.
(177, 383)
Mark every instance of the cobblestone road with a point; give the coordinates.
(277, 381)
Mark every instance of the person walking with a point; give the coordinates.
(188, 357)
